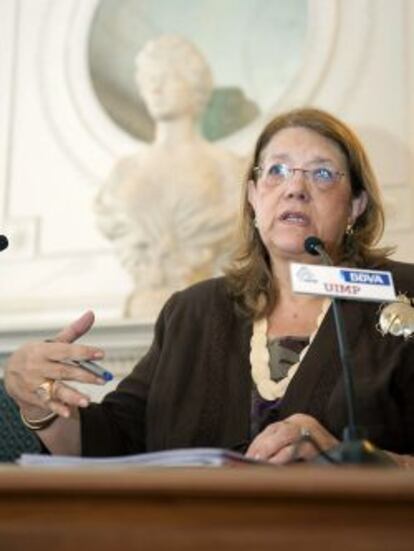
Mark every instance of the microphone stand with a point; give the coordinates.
(354, 450)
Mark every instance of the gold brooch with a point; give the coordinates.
(397, 318)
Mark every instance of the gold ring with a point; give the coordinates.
(305, 433)
(45, 390)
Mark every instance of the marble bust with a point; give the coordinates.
(170, 209)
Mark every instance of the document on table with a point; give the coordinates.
(188, 457)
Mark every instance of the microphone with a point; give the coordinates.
(314, 246)
(353, 449)
(4, 242)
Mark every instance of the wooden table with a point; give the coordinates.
(245, 508)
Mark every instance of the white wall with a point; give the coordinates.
(57, 145)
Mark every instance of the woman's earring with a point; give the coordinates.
(256, 225)
(349, 239)
(349, 232)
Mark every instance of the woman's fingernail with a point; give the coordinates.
(98, 355)
(83, 403)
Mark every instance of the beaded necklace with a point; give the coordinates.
(259, 358)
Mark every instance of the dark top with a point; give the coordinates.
(283, 353)
(193, 387)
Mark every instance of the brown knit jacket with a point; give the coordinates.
(193, 387)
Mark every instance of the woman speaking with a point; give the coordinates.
(241, 361)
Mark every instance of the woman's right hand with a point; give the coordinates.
(34, 364)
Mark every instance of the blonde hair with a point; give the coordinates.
(249, 276)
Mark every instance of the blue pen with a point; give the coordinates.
(92, 367)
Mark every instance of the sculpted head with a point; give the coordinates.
(173, 78)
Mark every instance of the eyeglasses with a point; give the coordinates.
(280, 173)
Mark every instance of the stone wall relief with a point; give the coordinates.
(170, 209)
(49, 77)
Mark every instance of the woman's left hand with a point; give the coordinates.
(277, 443)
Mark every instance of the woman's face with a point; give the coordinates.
(292, 205)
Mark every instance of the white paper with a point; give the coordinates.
(188, 457)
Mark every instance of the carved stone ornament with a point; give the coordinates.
(171, 208)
